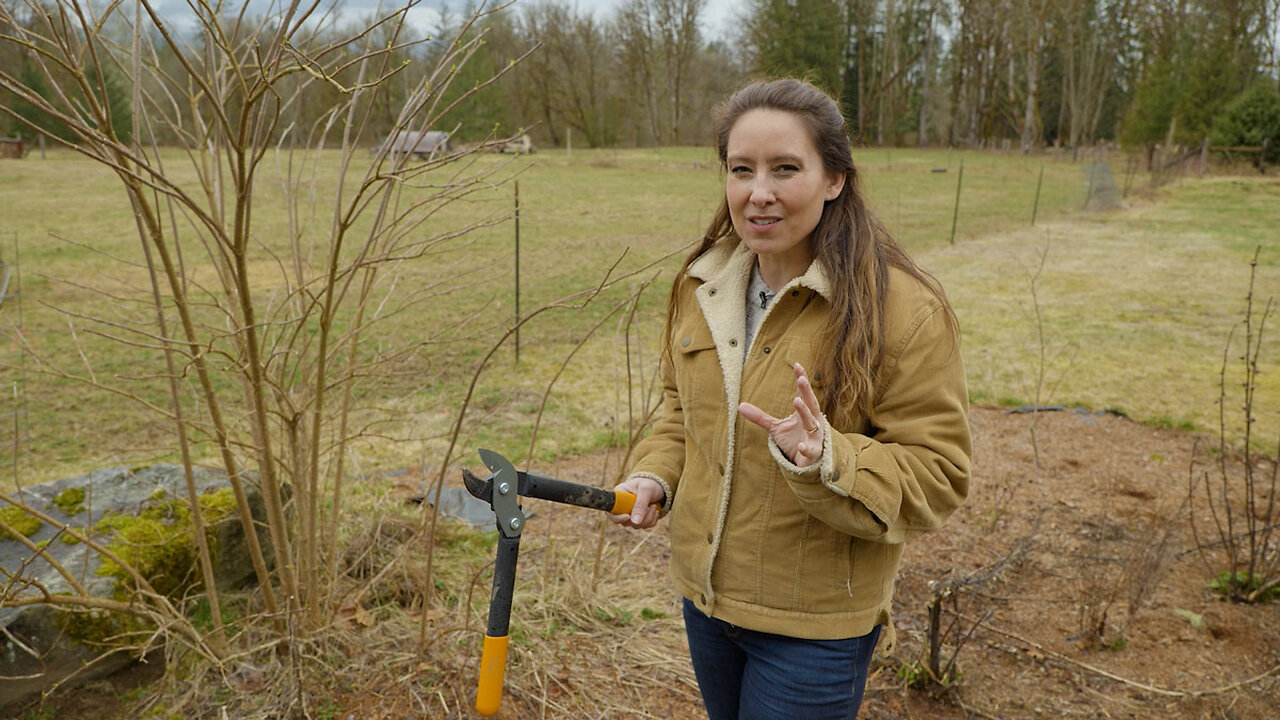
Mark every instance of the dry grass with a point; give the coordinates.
(1144, 297)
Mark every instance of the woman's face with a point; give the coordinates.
(776, 187)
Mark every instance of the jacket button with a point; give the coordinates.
(795, 293)
(702, 599)
(768, 350)
(720, 469)
(733, 343)
(710, 538)
(712, 291)
(685, 342)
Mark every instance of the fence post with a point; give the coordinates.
(1035, 208)
(517, 219)
(1130, 167)
(955, 215)
(1204, 154)
(1089, 193)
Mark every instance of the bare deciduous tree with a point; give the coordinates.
(637, 58)
(978, 56)
(658, 43)
(1031, 34)
(678, 25)
(1090, 36)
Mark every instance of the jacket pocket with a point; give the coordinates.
(832, 551)
(871, 570)
(807, 568)
(698, 374)
(692, 338)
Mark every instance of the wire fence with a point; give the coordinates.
(14, 416)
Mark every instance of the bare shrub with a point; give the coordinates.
(951, 625)
(1118, 572)
(1043, 385)
(1240, 483)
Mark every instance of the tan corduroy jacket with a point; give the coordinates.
(758, 542)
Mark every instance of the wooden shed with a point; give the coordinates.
(421, 143)
(11, 148)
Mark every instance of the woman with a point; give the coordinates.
(791, 495)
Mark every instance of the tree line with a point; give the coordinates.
(968, 73)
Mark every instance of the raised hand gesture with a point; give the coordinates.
(799, 435)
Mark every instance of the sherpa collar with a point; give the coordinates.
(730, 259)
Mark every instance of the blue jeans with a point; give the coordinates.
(749, 675)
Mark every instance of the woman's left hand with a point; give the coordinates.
(799, 435)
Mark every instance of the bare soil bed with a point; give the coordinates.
(1099, 530)
(1079, 592)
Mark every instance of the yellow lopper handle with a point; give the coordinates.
(623, 502)
(493, 665)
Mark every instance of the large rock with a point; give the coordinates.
(111, 504)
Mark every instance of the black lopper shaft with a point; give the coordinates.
(560, 491)
(504, 584)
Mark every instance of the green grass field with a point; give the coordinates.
(1135, 303)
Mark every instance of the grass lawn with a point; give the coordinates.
(1134, 304)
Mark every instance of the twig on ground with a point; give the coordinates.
(975, 711)
(1274, 670)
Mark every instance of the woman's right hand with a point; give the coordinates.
(649, 497)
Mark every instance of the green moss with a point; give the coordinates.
(159, 548)
(217, 505)
(157, 542)
(651, 614)
(101, 627)
(20, 520)
(466, 540)
(70, 501)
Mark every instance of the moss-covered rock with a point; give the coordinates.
(70, 501)
(20, 520)
(143, 517)
(159, 541)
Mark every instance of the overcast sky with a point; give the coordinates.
(718, 15)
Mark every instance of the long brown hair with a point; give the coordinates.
(855, 250)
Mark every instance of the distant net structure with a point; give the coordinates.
(1103, 193)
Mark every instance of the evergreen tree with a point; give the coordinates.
(37, 120)
(1151, 111)
(799, 38)
(486, 112)
(1227, 55)
(114, 93)
(109, 90)
(1251, 118)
